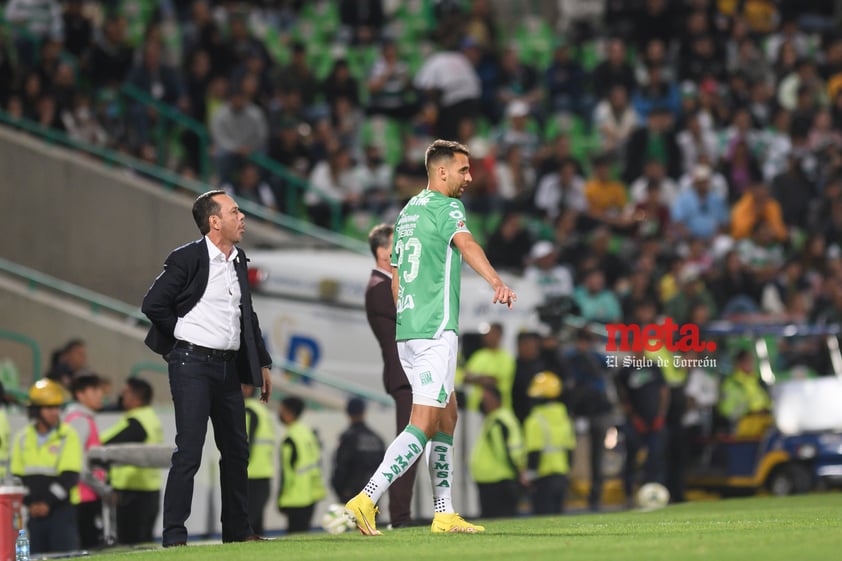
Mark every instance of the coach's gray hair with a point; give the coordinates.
(379, 237)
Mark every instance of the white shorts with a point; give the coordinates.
(430, 366)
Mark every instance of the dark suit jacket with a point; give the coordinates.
(179, 288)
(380, 309)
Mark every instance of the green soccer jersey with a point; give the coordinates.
(429, 266)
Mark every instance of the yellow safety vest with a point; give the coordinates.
(262, 449)
(548, 430)
(302, 483)
(5, 442)
(132, 478)
(61, 452)
(493, 455)
(491, 362)
(741, 394)
(674, 376)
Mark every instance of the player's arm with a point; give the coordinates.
(475, 257)
(395, 284)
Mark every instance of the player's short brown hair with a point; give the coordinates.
(441, 149)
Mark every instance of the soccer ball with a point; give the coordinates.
(336, 520)
(652, 496)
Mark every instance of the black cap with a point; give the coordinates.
(356, 406)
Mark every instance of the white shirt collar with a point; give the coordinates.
(216, 254)
(384, 271)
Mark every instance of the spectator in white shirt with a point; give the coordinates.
(717, 184)
(554, 279)
(331, 185)
(653, 170)
(450, 78)
(695, 141)
(615, 119)
(515, 130)
(515, 178)
(238, 129)
(561, 190)
(42, 19)
(373, 178)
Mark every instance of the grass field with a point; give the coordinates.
(768, 529)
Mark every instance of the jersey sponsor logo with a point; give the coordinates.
(441, 467)
(405, 303)
(422, 198)
(401, 463)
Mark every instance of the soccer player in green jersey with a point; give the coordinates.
(430, 240)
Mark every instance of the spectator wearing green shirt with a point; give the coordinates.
(594, 301)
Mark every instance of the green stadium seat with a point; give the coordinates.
(138, 14)
(386, 134)
(534, 39)
(276, 45)
(589, 56)
(416, 17)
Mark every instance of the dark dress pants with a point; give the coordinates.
(258, 497)
(90, 524)
(597, 427)
(136, 515)
(498, 500)
(653, 470)
(677, 457)
(203, 387)
(298, 518)
(548, 494)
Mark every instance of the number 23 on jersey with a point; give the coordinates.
(409, 250)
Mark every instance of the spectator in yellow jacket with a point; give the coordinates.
(755, 206)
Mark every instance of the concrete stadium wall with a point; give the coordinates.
(114, 346)
(105, 229)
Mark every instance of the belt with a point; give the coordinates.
(211, 353)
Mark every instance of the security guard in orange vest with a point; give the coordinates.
(47, 456)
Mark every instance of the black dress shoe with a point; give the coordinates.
(175, 544)
(255, 538)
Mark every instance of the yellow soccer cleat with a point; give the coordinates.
(363, 511)
(451, 522)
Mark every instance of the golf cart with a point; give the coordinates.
(800, 449)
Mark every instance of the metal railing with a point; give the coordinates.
(97, 302)
(295, 187)
(172, 179)
(20, 393)
(336, 383)
(169, 114)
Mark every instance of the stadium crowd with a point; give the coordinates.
(638, 159)
(673, 152)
